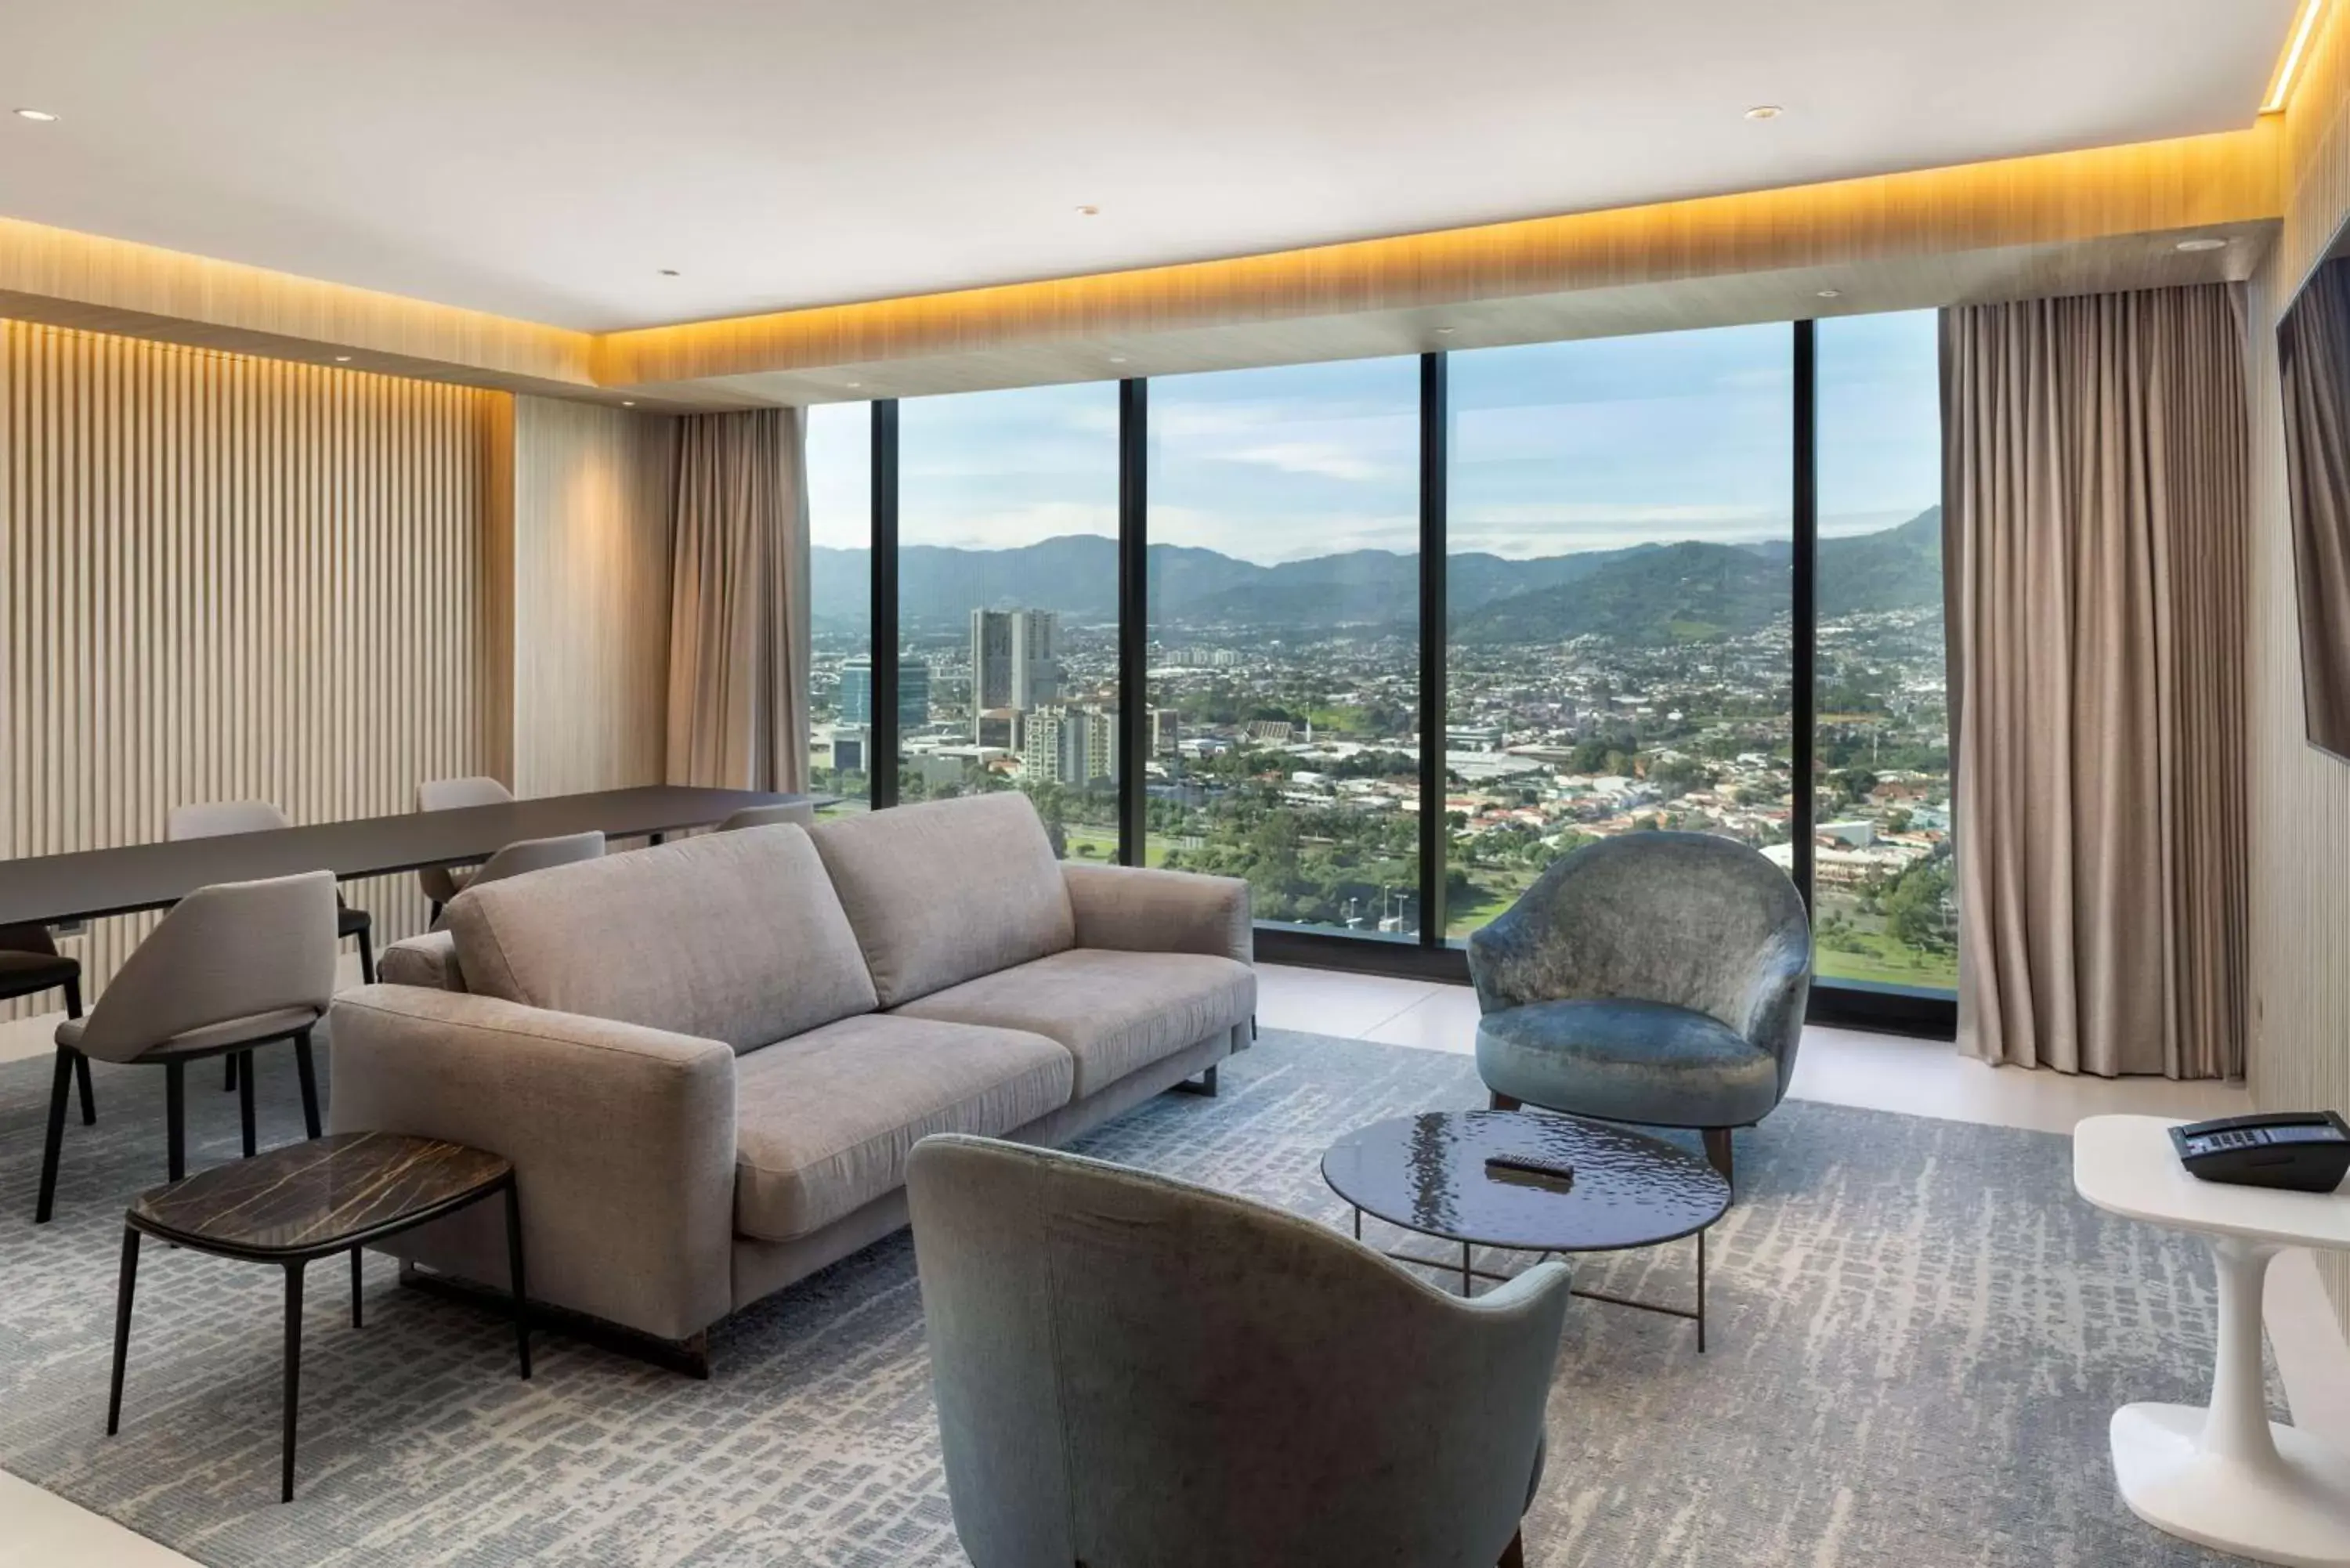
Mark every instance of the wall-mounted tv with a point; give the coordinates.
(2313, 357)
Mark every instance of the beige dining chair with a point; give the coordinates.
(443, 883)
(527, 855)
(232, 967)
(799, 812)
(214, 819)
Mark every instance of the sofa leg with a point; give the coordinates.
(1718, 1155)
(688, 1357)
(1502, 1102)
(1513, 1555)
(1204, 1086)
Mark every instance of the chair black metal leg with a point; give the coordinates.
(81, 1063)
(124, 1283)
(310, 1071)
(228, 1072)
(367, 954)
(432, 913)
(292, 1372)
(245, 1099)
(358, 1280)
(175, 1115)
(515, 1280)
(60, 1084)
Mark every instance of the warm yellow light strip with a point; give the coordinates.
(2305, 28)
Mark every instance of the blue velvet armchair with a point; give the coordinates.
(1656, 978)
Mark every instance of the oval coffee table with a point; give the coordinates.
(1431, 1173)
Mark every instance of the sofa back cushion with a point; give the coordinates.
(948, 891)
(731, 936)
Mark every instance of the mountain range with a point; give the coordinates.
(1686, 591)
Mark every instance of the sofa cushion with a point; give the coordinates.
(1114, 1012)
(942, 892)
(730, 936)
(825, 1120)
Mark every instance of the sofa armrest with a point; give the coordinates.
(623, 1139)
(1136, 910)
(429, 960)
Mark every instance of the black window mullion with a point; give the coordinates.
(1435, 410)
(881, 758)
(1133, 616)
(1801, 824)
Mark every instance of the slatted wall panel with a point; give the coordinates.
(591, 596)
(2300, 799)
(227, 578)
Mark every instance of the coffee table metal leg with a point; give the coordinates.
(1358, 1224)
(244, 1098)
(1701, 1292)
(292, 1373)
(122, 1291)
(1468, 1285)
(515, 1282)
(356, 1279)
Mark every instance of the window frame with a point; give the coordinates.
(1892, 1009)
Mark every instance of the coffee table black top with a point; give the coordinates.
(88, 883)
(307, 1199)
(1428, 1173)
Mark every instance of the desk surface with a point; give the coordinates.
(93, 882)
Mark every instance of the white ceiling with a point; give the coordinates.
(545, 158)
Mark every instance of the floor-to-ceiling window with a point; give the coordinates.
(840, 596)
(1884, 910)
(1285, 638)
(1007, 603)
(1620, 585)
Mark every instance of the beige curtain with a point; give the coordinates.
(2312, 345)
(2095, 471)
(738, 603)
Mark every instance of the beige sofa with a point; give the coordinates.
(709, 1061)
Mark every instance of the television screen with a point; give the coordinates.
(2313, 358)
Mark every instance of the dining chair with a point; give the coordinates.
(527, 855)
(232, 967)
(215, 818)
(30, 964)
(1132, 1370)
(797, 811)
(443, 883)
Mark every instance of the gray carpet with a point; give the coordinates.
(1918, 1336)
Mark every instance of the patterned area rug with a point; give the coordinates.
(1919, 1336)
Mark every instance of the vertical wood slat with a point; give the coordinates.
(226, 577)
(2299, 798)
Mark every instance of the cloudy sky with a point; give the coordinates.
(1556, 447)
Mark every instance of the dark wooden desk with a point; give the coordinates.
(52, 888)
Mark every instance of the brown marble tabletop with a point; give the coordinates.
(319, 1197)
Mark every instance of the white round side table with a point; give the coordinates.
(2224, 1475)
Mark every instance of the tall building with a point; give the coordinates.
(1075, 746)
(913, 692)
(1014, 662)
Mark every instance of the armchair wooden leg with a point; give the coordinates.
(1718, 1154)
(1513, 1555)
(1504, 1103)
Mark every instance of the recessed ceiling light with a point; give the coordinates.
(669, 272)
(1444, 332)
(1117, 359)
(342, 359)
(2203, 245)
(1089, 210)
(1765, 111)
(43, 115)
(627, 402)
(1831, 294)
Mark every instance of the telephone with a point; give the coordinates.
(2303, 1151)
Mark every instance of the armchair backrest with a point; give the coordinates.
(229, 951)
(1135, 1371)
(1688, 919)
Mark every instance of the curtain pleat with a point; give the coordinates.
(738, 607)
(2096, 477)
